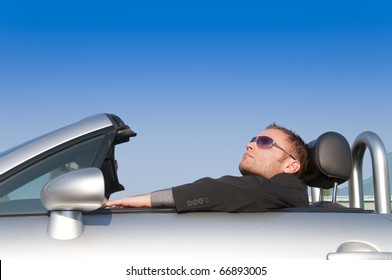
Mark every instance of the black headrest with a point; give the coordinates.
(330, 161)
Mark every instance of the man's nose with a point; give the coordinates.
(250, 146)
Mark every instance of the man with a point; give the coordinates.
(272, 166)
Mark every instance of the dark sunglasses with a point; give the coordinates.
(265, 142)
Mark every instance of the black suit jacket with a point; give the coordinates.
(241, 194)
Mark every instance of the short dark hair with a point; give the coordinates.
(297, 147)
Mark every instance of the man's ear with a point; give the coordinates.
(291, 166)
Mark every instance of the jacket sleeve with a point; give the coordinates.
(233, 194)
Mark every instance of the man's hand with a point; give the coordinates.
(131, 201)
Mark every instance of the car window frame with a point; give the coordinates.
(106, 145)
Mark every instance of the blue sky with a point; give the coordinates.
(195, 79)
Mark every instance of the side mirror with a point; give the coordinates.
(66, 196)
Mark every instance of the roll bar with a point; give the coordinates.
(382, 196)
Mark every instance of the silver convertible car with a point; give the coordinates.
(52, 190)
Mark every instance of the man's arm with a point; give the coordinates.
(131, 201)
(162, 198)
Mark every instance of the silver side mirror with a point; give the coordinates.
(66, 196)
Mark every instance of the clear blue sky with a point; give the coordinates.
(195, 79)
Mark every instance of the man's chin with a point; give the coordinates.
(245, 172)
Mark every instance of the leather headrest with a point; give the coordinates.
(330, 161)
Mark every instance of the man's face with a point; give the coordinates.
(266, 162)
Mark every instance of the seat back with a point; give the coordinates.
(330, 162)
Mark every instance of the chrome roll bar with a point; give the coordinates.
(382, 196)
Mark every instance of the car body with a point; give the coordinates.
(52, 189)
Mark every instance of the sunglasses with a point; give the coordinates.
(265, 142)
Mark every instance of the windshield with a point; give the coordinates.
(25, 186)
